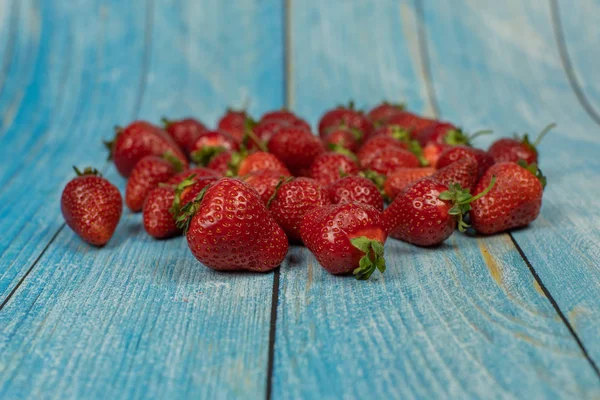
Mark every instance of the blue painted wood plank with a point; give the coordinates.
(142, 318)
(510, 84)
(464, 320)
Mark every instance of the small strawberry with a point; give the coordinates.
(264, 131)
(234, 123)
(455, 153)
(402, 137)
(256, 162)
(402, 178)
(346, 238)
(264, 182)
(147, 174)
(519, 148)
(463, 172)
(138, 140)
(427, 212)
(515, 201)
(343, 138)
(284, 117)
(410, 121)
(388, 160)
(220, 163)
(297, 148)
(184, 132)
(329, 167)
(372, 146)
(446, 133)
(198, 172)
(158, 221)
(381, 113)
(294, 198)
(347, 117)
(211, 143)
(91, 206)
(355, 189)
(228, 228)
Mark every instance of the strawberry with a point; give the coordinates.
(211, 143)
(264, 131)
(284, 117)
(256, 162)
(234, 123)
(220, 163)
(297, 148)
(186, 191)
(409, 121)
(346, 238)
(432, 152)
(446, 133)
(228, 228)
(515, 201)
(264, 182)
(347, 117)
(329, 167)
(372, 146)
(138, 140)
(427, 212)
(455, 153)
(519, 148)
(198, 172)
(91, 206)
(381, 113)
(400, 179)
(355, 189)
(147, 174)
(388, 160)
(463, 172)
(294, 198)
(343, 138)
(184, 132)
(403, 140)
(158, 221)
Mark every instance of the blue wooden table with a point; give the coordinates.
(515, 315)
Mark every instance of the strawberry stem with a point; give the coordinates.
(479, 133)
(173, 160)
(373, 258)
(282, 181)
(176, 206)
(543, 133)
(461, 200)
(166, 122)
(188, 211)
(87, 171)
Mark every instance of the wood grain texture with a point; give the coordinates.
(138, 318)
(464, 320)
(526, 88)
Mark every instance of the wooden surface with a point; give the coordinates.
(510, 316)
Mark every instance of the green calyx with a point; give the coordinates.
(535, 171)
(176, 206)
(282, 181)
(236, 160)
(456, 137)
(87, 171)
(376, 178)
(461, 200)
(205, 154)
(109, 144)
(533, 145)
(373, 258)
(415, 148)
(187, 212)
(338, 148)
(165, 122)
(400, 133)
(173, 160)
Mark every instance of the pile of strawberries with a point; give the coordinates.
(257, 186)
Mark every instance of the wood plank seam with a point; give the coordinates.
(423, 52)
(10, 46)
(103, 170)
(567, 64)
(272, 332)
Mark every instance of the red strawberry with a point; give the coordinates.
(329, 167)
(463, 172)
(372, 146)
(388, 160)
(410, 121)
(294, 198)
(234, 123)
(343, 138)
(347, 117)
(91, 206)
(284, 117)
(455, 153)
(220, 163)
(514, 201)
(432, 152)
(264, 131)
(446, 133)
(260, 161)
(198, 172)
(230, 229)
(158, 221)
(390, 136)
(147, 174)
(211, 143)
(519, 148)
(297, 148)
(355, 189)
(427, 212)
(138, 140)
(382, 112)
(400, 179)
(184, 132)
(346, 238)
(264, 182)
